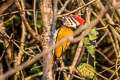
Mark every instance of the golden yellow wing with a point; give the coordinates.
(62, 33)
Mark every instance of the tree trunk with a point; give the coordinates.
(46, 11)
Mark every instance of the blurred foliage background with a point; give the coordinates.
(100, 54)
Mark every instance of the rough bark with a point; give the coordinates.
(46, 11)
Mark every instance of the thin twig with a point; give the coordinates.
(35, 17)
(78, 51)
(27, 25)
(63, 7)
(77, 9)
(105, 57)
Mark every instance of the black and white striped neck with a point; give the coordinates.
(70, 22)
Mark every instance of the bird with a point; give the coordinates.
(70, 23)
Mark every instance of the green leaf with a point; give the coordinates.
(39, 22)
(35, 68)
(91, 50)
(95, 78)
(86, 70)
(90, 42)
(86, 41)
(93, 34)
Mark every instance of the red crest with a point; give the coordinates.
(79, 19)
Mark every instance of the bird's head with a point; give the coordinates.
(73, 21)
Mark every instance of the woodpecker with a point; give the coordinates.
(69, 24)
